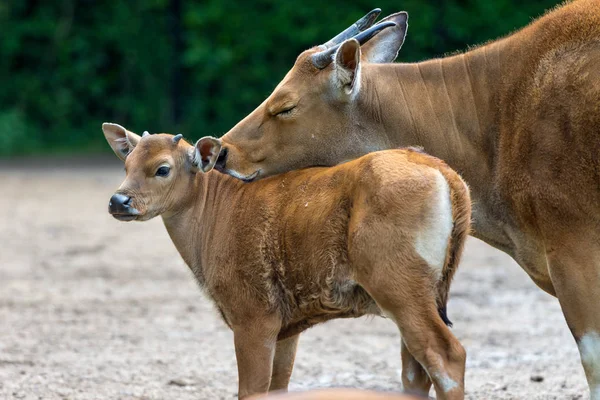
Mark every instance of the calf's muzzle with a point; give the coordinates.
(119, 206)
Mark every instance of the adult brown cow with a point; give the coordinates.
(519, 118)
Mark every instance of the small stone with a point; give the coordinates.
(537, 378)
(178, 382)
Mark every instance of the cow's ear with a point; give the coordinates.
(206, 153)
(120, 139)
(346, 73)
(384, 47)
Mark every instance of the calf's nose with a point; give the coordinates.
(119, 203)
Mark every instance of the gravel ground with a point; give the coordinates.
(93, 308)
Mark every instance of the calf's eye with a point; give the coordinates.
(163, 171)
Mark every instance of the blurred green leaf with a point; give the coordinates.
(195, 67)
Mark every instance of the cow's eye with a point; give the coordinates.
(163, 171)
(286, 112)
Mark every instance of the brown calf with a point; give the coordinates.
(379, 235)
(518, 118)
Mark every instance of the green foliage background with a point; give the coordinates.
(194, 67)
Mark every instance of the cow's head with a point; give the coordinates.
(160, 170)
(311, 117)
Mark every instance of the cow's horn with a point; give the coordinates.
(354, 29)
(145, 134)
(177, 138)
(325, 57)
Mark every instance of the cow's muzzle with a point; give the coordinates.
(119, 207)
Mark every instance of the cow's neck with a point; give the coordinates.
(450, 106)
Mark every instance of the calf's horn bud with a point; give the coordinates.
(177, 138)
(146, 133)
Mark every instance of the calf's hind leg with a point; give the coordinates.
(414, 377)
(405, 292)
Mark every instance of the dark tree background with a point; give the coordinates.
(194, 67)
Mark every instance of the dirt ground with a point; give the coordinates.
(93, 308)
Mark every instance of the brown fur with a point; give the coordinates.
(285, 253)
(518, 118)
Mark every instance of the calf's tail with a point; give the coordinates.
(461, 216)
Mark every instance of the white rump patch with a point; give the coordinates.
(589, 348)
(432, 240)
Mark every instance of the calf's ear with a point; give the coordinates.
(206, 153)
(120, 139)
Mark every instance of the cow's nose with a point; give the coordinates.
(222, 159)
(119, 203)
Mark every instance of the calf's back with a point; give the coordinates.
(283, 244)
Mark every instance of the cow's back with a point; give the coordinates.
(549, 136)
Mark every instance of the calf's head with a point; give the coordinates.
(160, 170)
(316, 115)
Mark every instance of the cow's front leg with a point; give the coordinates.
(574, 265)
(255, 344)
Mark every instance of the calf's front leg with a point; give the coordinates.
(283, 364)
(255, 344)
